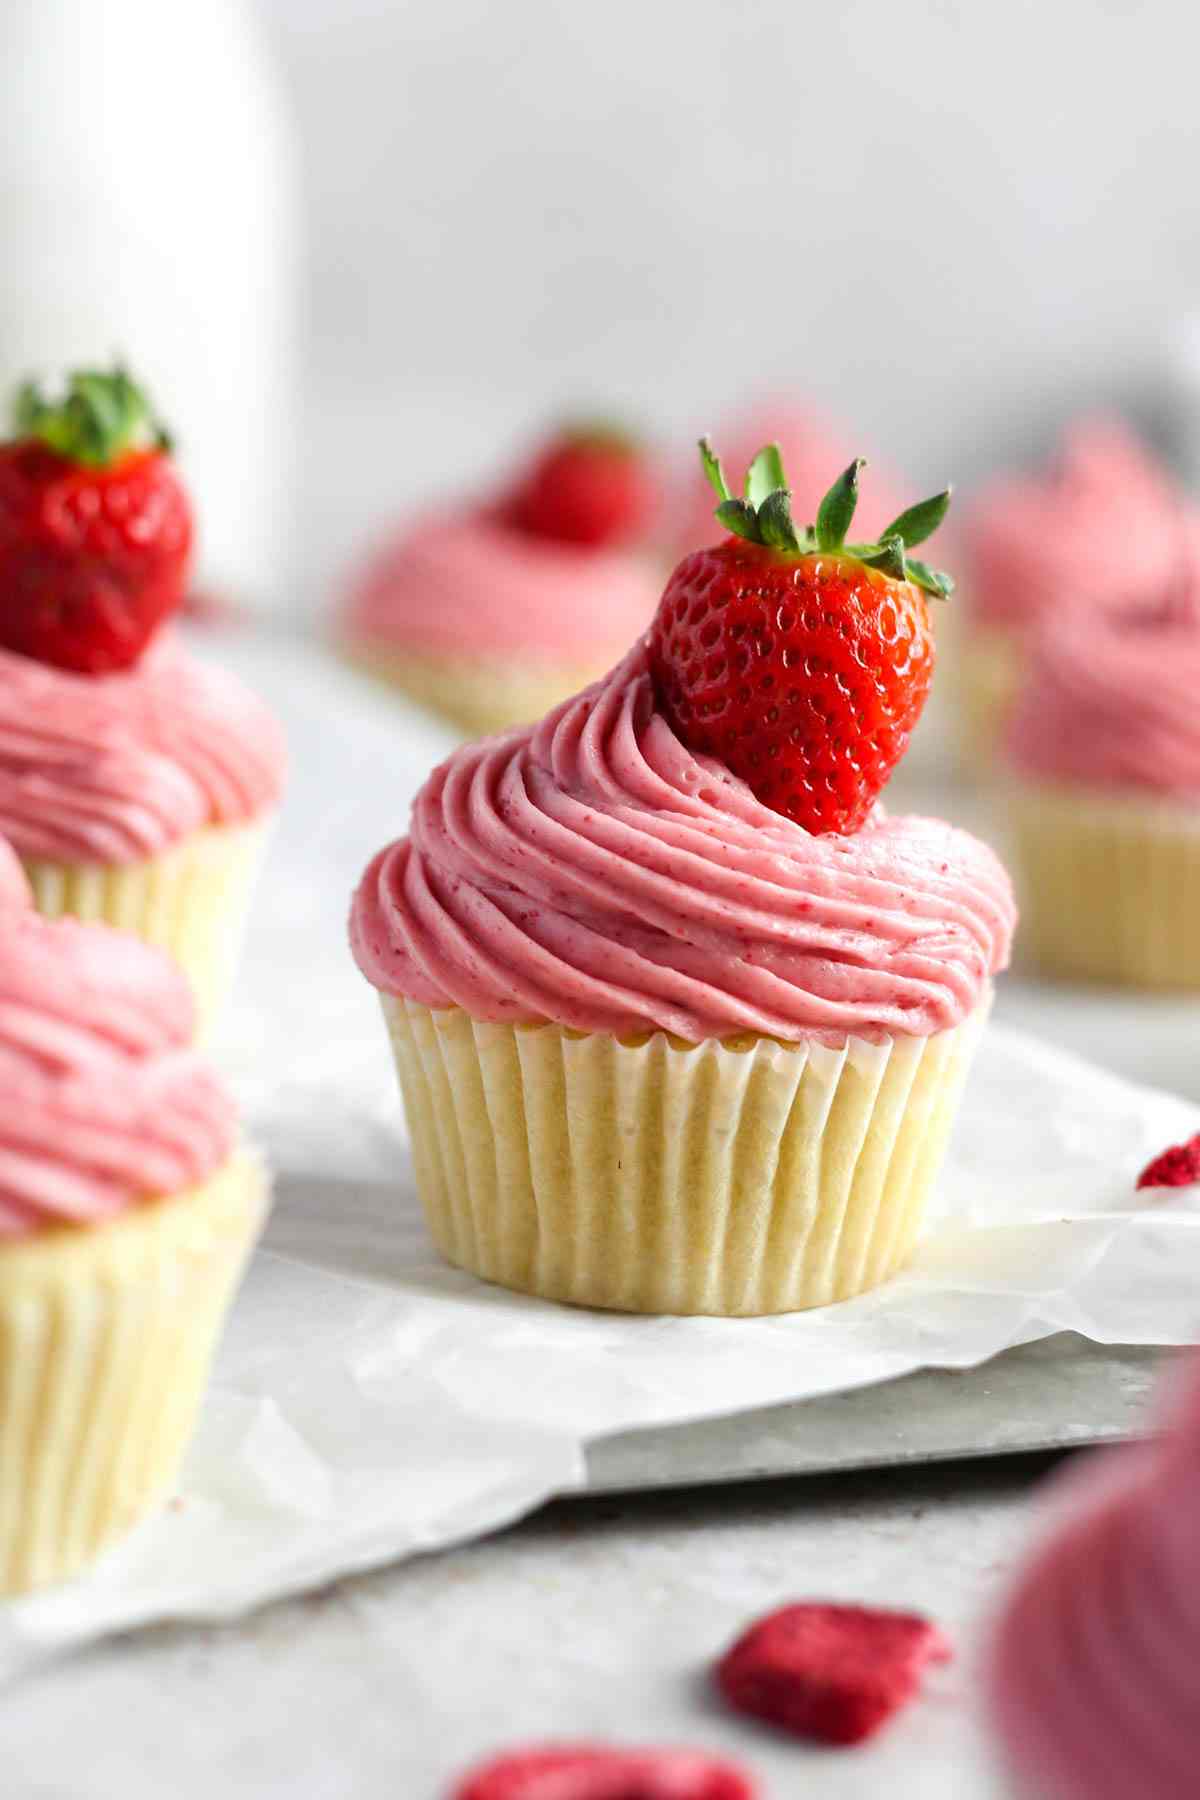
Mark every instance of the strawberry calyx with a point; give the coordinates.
(763, 515)
(101, 416)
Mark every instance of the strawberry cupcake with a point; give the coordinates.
(488, 613)
(1104, 760)
(136, 784)
(127, 1211)
(680, 1015)
(1036, 541)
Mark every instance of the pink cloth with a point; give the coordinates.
(102, 1100)
(594, 872)
(1110, 701)
(1104, 526)
(1092, 1670)
(465, 586)
(115, 768)
(14, 888)
(814, 455)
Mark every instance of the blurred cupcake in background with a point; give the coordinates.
(1100, 526)
(491, 611)
(127, 1211)
(1104, 758)
(810, 447)
(136, 784)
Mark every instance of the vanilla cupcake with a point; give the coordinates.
(127, 1211)
(1104, 790)
(135, 784)
(1102, 527)
(662, 1047)
(490, 612)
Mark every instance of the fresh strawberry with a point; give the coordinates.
(590, 1772)
(95, 526)
(833, 1673)
(800, 661)
(591, 485)
(1179, 1166)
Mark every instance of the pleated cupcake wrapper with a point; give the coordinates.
(1110, 885)
(662, 1177)
(106, 1334)
(191, 901)
(480, 694)
(989, 670)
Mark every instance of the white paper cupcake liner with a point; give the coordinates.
(1110, 885)
(655, 1176)
(106, 1334)
(479, 694)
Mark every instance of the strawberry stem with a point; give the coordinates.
(764, 516)
(101, 416)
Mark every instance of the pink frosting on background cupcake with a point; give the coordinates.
(592, 871)
(1104, 525)
(1110, 700)
(116, 768)
(460, 585)
(103, 1102)
(1092, 1676)
(814, 454)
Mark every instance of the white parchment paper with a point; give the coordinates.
(370, 1402)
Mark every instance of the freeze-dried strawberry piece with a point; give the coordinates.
(594, 1772)
(1177, 1167)
(834, 1673)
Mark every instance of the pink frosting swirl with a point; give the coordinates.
(1110, 701)
(593, 871)
(103, 1102)
(115, 768)
(1104, 526)
(454, 585)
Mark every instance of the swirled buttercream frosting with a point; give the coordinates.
(103, 1101)
(117, 768)
(592, 871)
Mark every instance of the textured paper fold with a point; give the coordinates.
(662, 1177)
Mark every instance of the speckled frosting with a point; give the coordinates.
(103, 1101)
(1110, 702)
(117, 768)
(592, 871)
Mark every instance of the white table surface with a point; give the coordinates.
(386, 1684)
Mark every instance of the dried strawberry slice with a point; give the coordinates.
(593, 1772)
(834, 1673)
(1177, 1167)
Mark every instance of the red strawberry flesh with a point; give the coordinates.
(593, 1772)
(1179, 1166)
(828, 1672)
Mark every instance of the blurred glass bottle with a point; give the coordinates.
(148, 208)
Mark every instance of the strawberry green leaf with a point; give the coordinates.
(836, 510)
(765, 475)
(934, 581)
(741, 519)
(102, 415)
(889, 557)
(920, 521)
(712, 468)
(776, 525)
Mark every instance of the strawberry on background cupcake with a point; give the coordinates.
(489, 611)
(680, 1015)
(1103, 758)
(127, 1210)
(1102, 526)
(136, 784)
